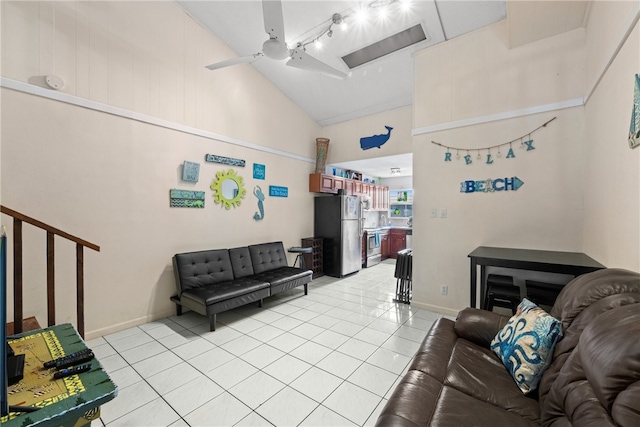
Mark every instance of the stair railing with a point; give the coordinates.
(18, 219)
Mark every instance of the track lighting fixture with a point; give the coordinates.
(359, 14)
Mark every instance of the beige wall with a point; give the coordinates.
(478, 75)
(345, 136)
(581, 190)
(611, 179)
(475, 76)
(106, 178)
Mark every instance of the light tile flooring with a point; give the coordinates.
(330, 358)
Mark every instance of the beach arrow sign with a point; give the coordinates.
(490, 185)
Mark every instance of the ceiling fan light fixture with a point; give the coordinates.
(275, 49)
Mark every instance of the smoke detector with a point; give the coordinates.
(54, 82)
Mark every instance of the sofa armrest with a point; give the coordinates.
(479, 326)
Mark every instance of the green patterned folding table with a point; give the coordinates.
(70, 401)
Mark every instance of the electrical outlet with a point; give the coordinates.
(444, 289)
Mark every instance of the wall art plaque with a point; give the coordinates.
(276, 191)
(490, 185)
(190, 171)
(225, 160)
(186, 199)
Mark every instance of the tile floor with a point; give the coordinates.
(331, 358)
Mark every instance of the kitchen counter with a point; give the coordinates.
(393, 227)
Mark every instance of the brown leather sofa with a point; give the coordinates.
(593, 379)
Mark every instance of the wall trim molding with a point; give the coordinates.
(623, 39)
(570, 103)
(143, 118)
(628, 29)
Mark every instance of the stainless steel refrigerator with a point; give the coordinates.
(338, 220)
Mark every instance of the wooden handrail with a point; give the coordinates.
(18, 219)
(47, 227)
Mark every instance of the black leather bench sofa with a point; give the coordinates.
(213, 281)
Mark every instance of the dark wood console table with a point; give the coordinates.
(572, 263)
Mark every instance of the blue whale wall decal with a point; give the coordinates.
(367, 142)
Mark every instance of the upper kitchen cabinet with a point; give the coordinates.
(321, 183)
(401, 196)
(377, 194)
(401, 203)
(381, 198)
(357, 187)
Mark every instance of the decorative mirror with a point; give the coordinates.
(228, 189)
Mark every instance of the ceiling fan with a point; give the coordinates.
(276, 47)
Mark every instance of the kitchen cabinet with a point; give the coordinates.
(321, 183)
(357, 187)
(384, 197)
(400, 203)
(349, 185)
(385, 247)
(379, 197)
(366, 190)
(378, 194)
(397, 241)
(400, 210)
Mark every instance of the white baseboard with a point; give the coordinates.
(128, 324)
(436, 308)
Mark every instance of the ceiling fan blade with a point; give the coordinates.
(234, 61)
(273, 20)
(304, 61)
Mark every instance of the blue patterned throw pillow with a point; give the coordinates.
(525, 345)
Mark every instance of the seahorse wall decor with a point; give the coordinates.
(367, 142)
(257, 191)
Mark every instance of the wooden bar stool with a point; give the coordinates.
(300, 257)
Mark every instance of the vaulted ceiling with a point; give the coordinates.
(383, 83)
(379, 85)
